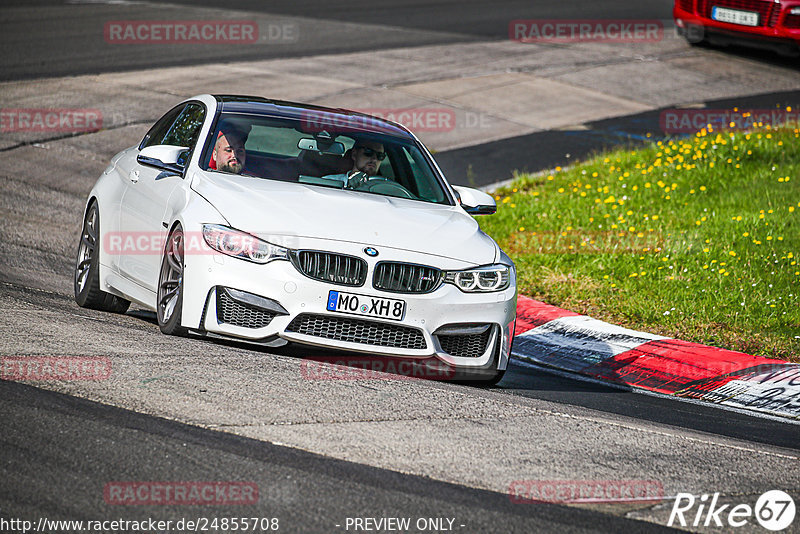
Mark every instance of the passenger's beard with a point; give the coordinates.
(234, 167)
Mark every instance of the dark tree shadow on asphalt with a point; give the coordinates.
(530, 377)
(769, 57)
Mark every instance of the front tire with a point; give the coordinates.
(87, 269)
(695, 35)
(169, 301)
(482, 379)
(485, 376)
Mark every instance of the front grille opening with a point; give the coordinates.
(762, 7)
(405, 277)
(329, 267)
(466, 345)
(230, 311)
(358, 331)
(686, 5)
(791, 21)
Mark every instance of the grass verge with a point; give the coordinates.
(694, 238)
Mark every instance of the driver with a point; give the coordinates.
(367, 157)
(229, 154)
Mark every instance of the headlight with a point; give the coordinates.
(242, 245)
(480, 279)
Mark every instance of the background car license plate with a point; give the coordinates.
(734, 16)
(366, 305)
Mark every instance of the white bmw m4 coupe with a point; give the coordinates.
(276, 222)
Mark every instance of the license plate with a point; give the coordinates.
(734, 16)
(340, 301)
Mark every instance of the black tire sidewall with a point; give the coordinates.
(92, 277)
(173, 325)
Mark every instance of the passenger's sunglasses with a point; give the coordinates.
(368, 152)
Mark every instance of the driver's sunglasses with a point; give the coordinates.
(368, 152)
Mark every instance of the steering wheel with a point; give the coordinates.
(360, 181)
(384, 186)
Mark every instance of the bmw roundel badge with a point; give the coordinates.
(369, 251)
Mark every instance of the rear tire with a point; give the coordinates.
(169, 299)
(87, 269)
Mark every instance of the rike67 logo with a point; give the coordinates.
(774, 510)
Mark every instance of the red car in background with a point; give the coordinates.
(773, 24)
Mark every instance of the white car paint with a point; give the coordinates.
(137, 199)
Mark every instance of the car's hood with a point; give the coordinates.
(281, 211)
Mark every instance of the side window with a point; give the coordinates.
(186, 129)
(160, 129)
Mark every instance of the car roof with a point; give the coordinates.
(337, 118)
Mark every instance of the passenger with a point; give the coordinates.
(367, 157)
(229, 154)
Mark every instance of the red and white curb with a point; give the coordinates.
(557, 338)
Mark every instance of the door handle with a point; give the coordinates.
(134, 176)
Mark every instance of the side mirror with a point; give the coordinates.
(475, 202)
(171, 159)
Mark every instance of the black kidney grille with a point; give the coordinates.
(329, 267)
(357, 331)
(236, 313)
(465, 345)
(405, 278)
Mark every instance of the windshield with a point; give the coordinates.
(291, 150)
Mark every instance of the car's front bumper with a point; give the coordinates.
(777, 29)
(297, 312)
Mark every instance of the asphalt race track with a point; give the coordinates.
(50, 38)
(321, 452)
(306, 491)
